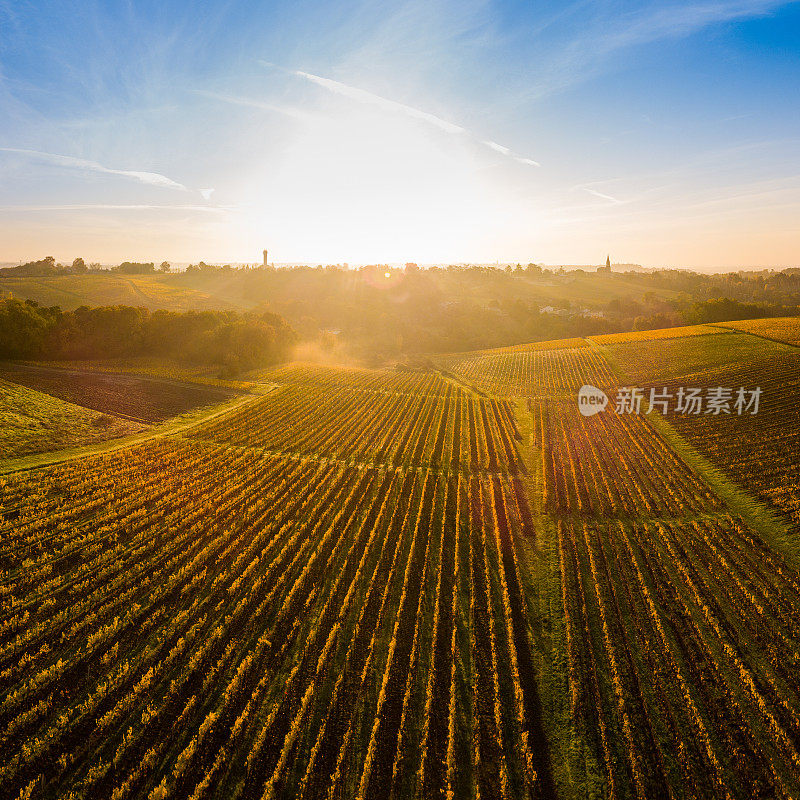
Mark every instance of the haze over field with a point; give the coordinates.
(665, 133)
(327, 472)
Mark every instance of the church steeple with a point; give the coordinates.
(608, 262)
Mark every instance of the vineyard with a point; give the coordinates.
(555, 344)
(673, 652)
(405, 583)
(769, 465)
(193, 619)
(682, 649)
(781, 329)
(689, 358)
(612, 465)
(442, 426)
(520, 372)
(380, 381)
(661, 334)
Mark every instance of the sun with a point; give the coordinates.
(369, 188)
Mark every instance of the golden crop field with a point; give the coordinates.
(554, 344)
(682, 639)
(531, 373)
(392, 583)
(761, 451)
(399, 400)
(231, 618)
(675, 609)
(662, 333)
(783, 329)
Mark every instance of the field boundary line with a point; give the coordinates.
(757, 514)
(662, 338)
(570, 756)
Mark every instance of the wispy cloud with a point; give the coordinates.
(69, 162)
(601, 195)
(505, 151)
(762, 192)
(248, 102)
(363, 96)
(685, 19)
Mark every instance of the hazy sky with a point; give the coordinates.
(665, 133)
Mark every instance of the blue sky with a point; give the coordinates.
(666, 133)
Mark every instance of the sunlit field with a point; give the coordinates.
(399, 400)
(425, 580)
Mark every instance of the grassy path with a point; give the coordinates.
(757, 514)
(570, 762)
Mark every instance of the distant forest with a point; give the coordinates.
(48, 267)
(229, 340)
(380, 313)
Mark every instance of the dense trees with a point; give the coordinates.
(234, 341)
(723, 309)
(378, 312)
(24, 328)
(47, 267)
(41, 268)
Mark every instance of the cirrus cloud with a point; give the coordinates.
(70, 162)
(363, 96)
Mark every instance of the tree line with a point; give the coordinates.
(227, 339)
(382, 313)
(49, 267)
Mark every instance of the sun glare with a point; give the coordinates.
(367, 187)
(410, 292)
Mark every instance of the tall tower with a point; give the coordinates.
(608, 261)
(266, 263)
